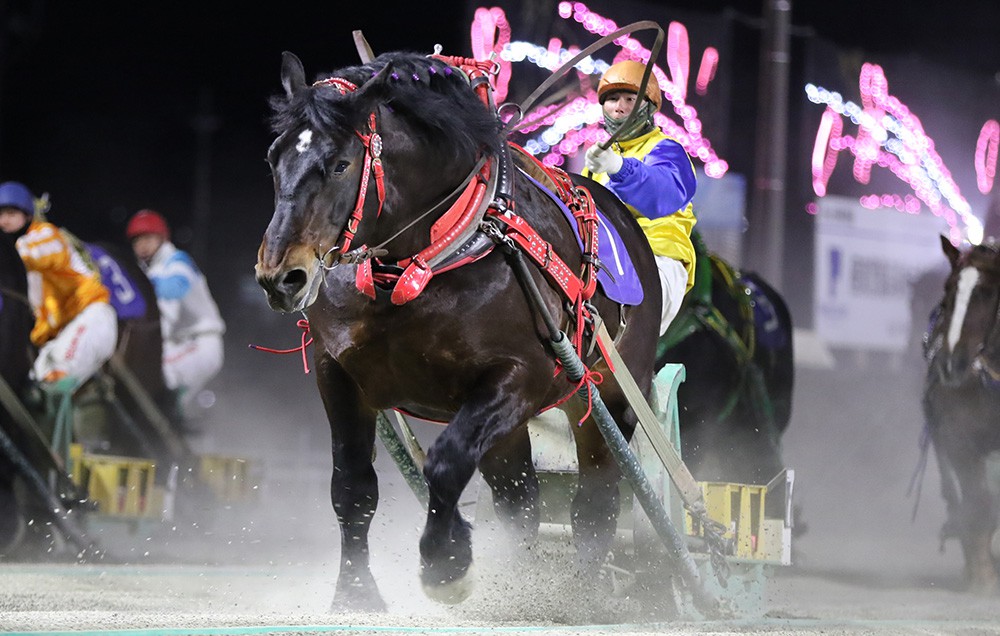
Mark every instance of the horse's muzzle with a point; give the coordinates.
(291, 285)
(954, 370)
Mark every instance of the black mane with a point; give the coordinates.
(434, 97)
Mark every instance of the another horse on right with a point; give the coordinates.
(734, 337)
(962, 405)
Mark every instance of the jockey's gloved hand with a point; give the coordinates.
(603, 160)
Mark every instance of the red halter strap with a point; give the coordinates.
(372, 164)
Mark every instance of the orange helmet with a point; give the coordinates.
(626, 76)
(147, 222)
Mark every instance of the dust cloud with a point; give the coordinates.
(853, 442)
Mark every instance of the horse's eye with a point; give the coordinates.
(341, 166)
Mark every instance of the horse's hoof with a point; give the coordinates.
(451, 592)
(369, 605)
(357, 592)
(357, 602)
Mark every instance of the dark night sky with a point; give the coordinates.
(99, 100)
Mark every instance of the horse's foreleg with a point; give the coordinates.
(446, 543)
(353, 486)
(977, 523)
(508, 470)
(494, 409)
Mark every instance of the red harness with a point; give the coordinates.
(471, 207)
(451, 231)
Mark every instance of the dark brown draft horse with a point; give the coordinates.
(468, 350)
(962, 405)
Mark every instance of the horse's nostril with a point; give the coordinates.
(292, 282)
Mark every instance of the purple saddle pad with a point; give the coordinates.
(618, 277)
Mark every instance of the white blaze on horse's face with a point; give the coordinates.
(968, 278)
(305, 140)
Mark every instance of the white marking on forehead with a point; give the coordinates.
(305, 140)
(967, 280)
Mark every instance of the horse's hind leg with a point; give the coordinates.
(596, 504)
(508, 470)
(353, 486)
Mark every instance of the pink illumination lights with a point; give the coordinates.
(490, 34)
(706, 71)
(986, 155)
(890, 136)
(563, 129)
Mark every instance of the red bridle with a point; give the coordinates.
(372, 164)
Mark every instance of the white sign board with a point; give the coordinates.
(865, 261)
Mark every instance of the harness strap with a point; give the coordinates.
(540, 251)
(478, 72)
(580, 202)
(372, 164)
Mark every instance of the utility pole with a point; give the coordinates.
(764, 246)
(205, 124)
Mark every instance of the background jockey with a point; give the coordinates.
(189, 318)
(75, 328)
(652, 174)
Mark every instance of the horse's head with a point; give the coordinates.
(967, 325)
(358, 154)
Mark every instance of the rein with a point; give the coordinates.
(361, 254)
(632, 120)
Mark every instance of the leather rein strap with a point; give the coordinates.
(643, 25)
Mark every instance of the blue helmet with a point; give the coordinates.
(17, 195)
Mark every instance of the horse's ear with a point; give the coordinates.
(293, 76)
(950, 251)
(376, 84)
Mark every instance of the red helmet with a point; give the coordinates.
(147, 222)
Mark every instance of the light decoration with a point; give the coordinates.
(825, 150)
(561, 130)
(706, 70)
(889, 136)
(490, 35)
(986, 155)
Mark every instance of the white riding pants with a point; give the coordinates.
(673, 284)
(190, 364)
(82, 346)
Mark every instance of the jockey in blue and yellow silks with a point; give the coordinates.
(653, 175)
